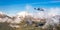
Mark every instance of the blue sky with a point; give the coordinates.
(14, 6)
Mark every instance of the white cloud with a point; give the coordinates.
(53, 11)
(48, 12)
(28, 7)
(54, 1)
(46, 2)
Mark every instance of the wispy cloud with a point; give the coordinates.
(28, 6)
(54, 2)
(46, 2)
(48, 13)
(54, 11)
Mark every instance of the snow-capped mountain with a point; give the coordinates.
(4, 17)
(14, 19)
(27, 16)
(57, 19)
(19, 17)
(23, 14)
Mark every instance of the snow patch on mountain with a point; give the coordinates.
(23, 14)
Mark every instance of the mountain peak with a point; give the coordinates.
(23, 14)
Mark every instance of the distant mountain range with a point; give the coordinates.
(19, 16)
(25, 16)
